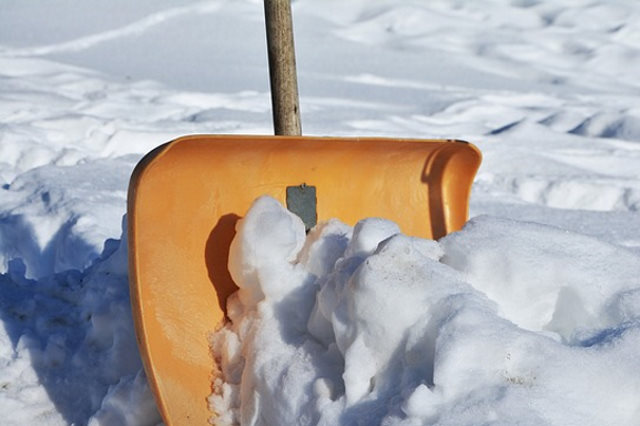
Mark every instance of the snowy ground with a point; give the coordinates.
(547, 89)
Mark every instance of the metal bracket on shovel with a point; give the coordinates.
(302, 201)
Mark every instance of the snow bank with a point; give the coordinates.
(504, 321)
(68, 350)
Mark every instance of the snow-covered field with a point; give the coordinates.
(548, 90)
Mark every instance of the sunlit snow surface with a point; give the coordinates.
(547, 89)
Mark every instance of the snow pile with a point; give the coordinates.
(67, 341)
(504, 321)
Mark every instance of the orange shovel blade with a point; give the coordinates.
(186, 196)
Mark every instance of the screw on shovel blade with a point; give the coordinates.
(302, 201)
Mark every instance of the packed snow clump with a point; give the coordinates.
(503, 322)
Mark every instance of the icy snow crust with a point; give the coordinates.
(548, 89)
(501, 323)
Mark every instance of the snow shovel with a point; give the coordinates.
(186, 196)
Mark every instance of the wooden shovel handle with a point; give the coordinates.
(282, 67)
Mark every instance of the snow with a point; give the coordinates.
(528, 315)
(502, 322)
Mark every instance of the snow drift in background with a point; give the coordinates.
(504, 321)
